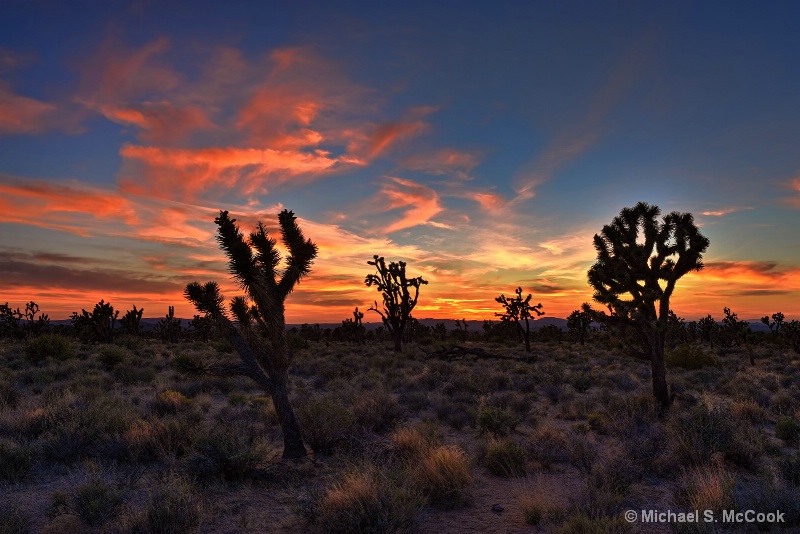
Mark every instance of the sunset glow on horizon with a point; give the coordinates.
(485, 146)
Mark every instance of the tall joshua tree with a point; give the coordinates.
(635, 253)
(392, 282)
(518, 310)
(258, 328)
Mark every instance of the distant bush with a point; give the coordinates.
(495, 420)
(111, 355)
(505, 458)
(325, 423)
(54, 346)
(442, 476)
(378, 411)
(787, 429)
(229, 452)
(170, 402)
(365, 502)
(16, 460)
(172, 509)
(689, 356)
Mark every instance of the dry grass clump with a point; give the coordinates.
(409, 444)
(173, 508)
(325, 423)
(547, 446)
(706, 487)
(504, 458)
(442, 475)
(364, 502)
(378, 411)
(170, 402)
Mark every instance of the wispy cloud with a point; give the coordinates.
(445, 161)
(419, 202)
(577, 137)
(725, 211)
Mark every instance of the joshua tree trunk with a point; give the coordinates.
(659, 371)
(293, 446)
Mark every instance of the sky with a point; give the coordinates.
(482, 143)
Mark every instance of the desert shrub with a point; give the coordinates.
(495, 420)
(609, 481)
(13, 520)
(623, 380)
(378, 411)
(9, 396)
(132, 343)
(696, 435)
(689, 356)
(16, 460)
(54, 346)
(749, 410)
(547, 446)
(414, 401)
(409, 444)
(597, 422)
(787, 429)
(456, 414)
(174, 508)
(154, 440)
(129, 374)
(706, 487)
(582, 452)
(170, 402)
(505, 458)
(442, 476)
(111, 355)
(94, 502)
(783, 404)
(325, 423)
(296, 342)
(365, 502)
(790, 468)
(229, 452)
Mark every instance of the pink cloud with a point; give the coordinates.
(160, 121)
(446, 161)
(422, 203)
(23, 115)
(185, 173)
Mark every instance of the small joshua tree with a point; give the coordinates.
(97, 325)
(634, 254)
(258, 331)
(775, 325)
(578, 323)
(17, 324)
(353, 329)
(131, 322)
(392, 282)
(708, 328)
(169, 327)
(518, 310)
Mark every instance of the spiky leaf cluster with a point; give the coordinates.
(636, 252)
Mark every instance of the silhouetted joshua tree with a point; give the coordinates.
(131, 322)
(578, 324)
(97, 325)
(517, 310)
(258, 331)
(169, 327)
(634, 254)
(776, 324)
(395, 286)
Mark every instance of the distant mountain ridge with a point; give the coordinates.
(149, 324)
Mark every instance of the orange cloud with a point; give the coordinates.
(160, 121)
(724, 211)
(70, 208)
(23, 115)
(422, 202)
(184, 173)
